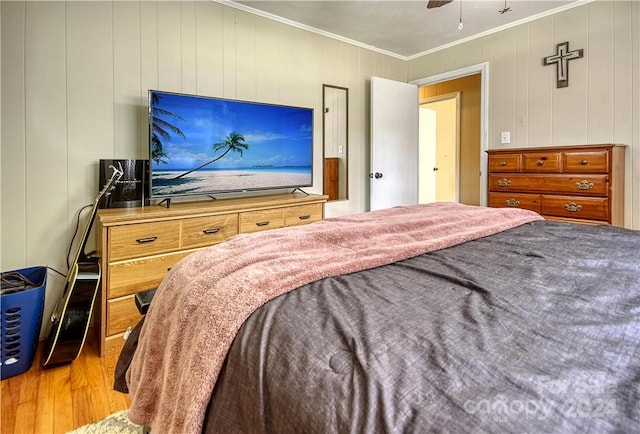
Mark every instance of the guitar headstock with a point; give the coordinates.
(111, 183)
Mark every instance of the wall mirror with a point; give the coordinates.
(335, 141)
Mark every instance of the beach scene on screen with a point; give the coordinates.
(202, 145)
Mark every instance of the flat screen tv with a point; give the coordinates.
(201, 145)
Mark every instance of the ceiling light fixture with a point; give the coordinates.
(506, 9)
(460, 26)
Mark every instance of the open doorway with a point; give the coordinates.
(439, 142)
(472, 82)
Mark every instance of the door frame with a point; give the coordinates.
(483, 69)
(449, 96)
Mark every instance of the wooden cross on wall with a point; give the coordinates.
(561, 59)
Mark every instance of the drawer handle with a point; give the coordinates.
(512, 202)
(585, 185)
(146, 240)
(572, 207)
(503, 163)
(504, 182)
(304, 217)
(211, 231)
(263, 223)
(584, 162)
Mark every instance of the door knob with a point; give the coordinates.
(435, 169)
(378, 175)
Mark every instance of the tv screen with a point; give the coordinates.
(202, 145)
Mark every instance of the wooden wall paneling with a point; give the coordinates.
(542, 84)
(129, 103)
(246, 60)
(470, 184)
(13, 219)
(188, 34)
(622, 67)
(487, 48)
(355, 128)
(46, 149)
(520, 128)
(148, 53)
(599, 64)
(230, 53)
(330, 64)
(450, 59)
(634, 174)
(90, 104)
(436, 59)
(268, 48)
(343, 78)
(470, 53)
(503, 81)
(289, 72)
(209, 54)
(169, 46)
(90, 110)
(291, 81)
(569, 104)
(381, 66)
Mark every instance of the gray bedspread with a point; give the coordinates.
(532, 330)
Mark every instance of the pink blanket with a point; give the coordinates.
(204, 300)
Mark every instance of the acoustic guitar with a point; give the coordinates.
(72, 313)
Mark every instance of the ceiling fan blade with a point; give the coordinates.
(437, 3)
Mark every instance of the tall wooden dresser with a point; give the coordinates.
(137, 246)
(575, 183)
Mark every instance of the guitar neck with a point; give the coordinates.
(81, 255)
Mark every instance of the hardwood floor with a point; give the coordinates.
(60, 399)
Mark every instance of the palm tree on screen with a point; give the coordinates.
(233, 142)
(161, 130)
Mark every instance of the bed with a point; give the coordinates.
(428, 318)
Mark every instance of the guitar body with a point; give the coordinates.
(72, 314)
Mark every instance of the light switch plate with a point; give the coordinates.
(505, 137)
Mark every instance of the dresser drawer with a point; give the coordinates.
(303, 214)
(576, 207)
(122, 313)
(143, 239)
(518, 200)
(113, 346)
(592, 185)
(254, 221)
(129, 277)
(505, 162)
(547, 162)
(206, 231)
(586, 162)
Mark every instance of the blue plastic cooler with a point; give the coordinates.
(21, 307)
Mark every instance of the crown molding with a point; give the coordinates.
(311, 29)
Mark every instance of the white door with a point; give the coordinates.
(394, 143)
(427, 155)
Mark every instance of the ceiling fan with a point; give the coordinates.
(437, 3)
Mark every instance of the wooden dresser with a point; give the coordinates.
(575, 183)
(137, 246)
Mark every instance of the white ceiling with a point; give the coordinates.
(404, 29)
